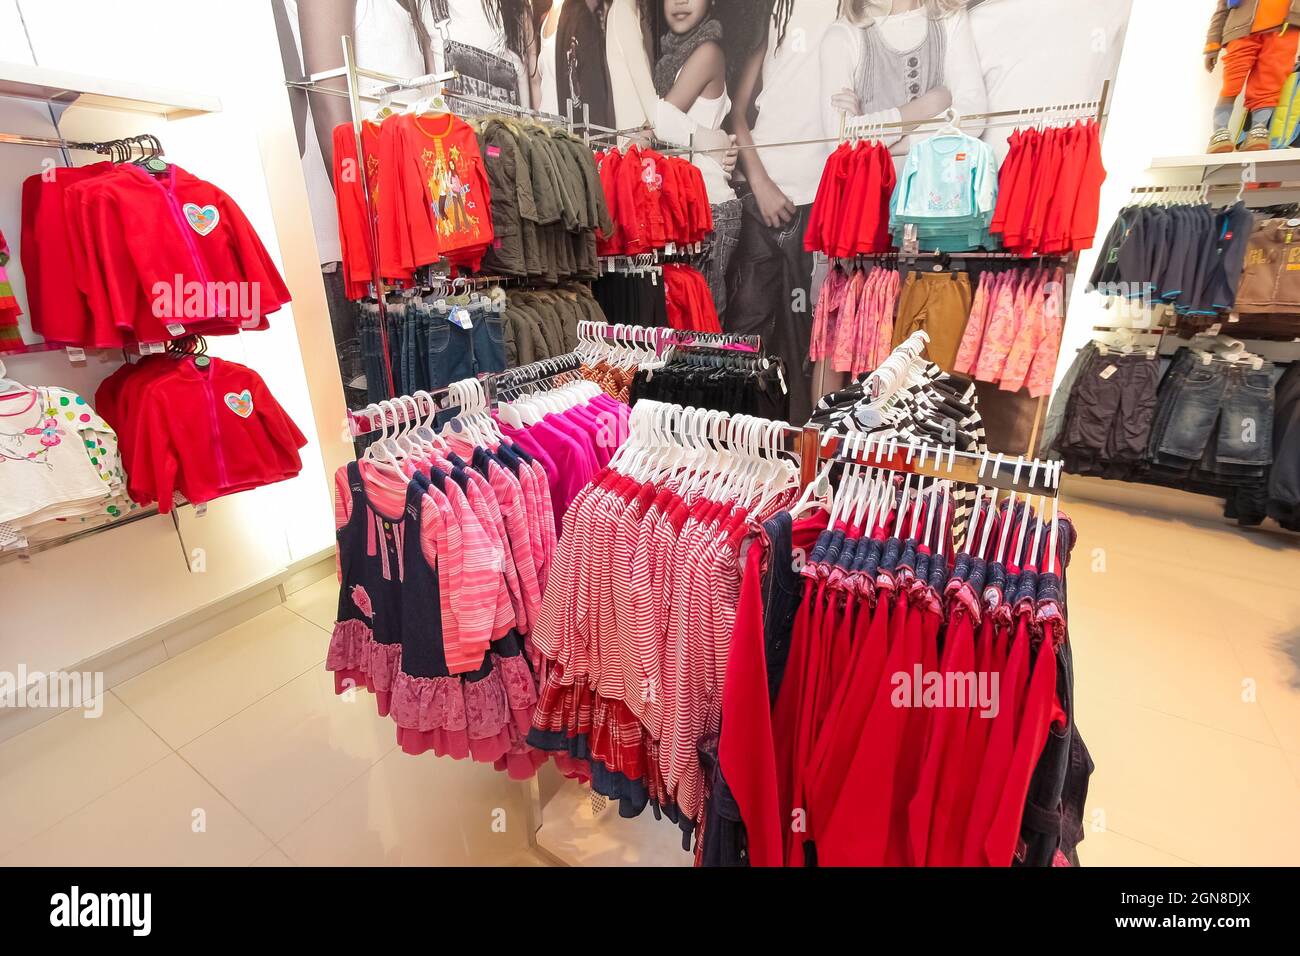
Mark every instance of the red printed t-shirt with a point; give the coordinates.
(440, 204)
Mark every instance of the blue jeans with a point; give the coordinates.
(453, 353)
(372, 353)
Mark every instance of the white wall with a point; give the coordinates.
(130, 580)
(1162, 106)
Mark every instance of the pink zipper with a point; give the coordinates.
(183, 224)
(216, 427)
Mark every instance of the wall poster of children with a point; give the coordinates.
(738, 79)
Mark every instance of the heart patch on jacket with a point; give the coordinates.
(202, 219)
(241, 404)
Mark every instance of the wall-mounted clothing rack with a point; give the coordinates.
(26, 551)
(1096, 109)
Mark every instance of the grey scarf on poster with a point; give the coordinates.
(676, 48)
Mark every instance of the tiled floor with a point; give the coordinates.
(238, 752)
(1187, 654)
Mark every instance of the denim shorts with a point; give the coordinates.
(1239, 400)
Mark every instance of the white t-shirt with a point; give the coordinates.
(47, 468)
(709, 112)
(841, 57)
(1043, 52)
(470, 25)
(783, 108)
(546, 67)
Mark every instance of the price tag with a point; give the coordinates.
(1215, 329)
(175, 328)
(1108, 371)
(75, 354)
(145, 348)
(670, 249)
(200, 509)
(911, 244)
(460, 316)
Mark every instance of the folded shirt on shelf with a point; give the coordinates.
(61, 461)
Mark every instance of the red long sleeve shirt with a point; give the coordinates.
(58, 306)
(440, 203)
(355, 237)
(747, 749)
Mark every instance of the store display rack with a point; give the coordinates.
(62, 88)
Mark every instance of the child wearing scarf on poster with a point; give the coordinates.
(691, 74)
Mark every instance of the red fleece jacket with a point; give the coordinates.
(205, 432)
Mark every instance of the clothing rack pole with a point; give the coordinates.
(374, 416)
(680, 337)
(1023, 474)
(1000, 119)
(354, 104)
(48, 142)
(396, 84)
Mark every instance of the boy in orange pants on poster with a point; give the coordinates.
(1258, 40)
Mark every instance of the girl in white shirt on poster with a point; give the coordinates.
(900, 61)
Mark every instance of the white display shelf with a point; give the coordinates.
(23, 81)
(1200, 161)
(572, 835)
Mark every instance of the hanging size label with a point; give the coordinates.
(670, 249)
(75, 354)
(1108, 371)
(911, 244)
(460, 317)
(175, 328)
